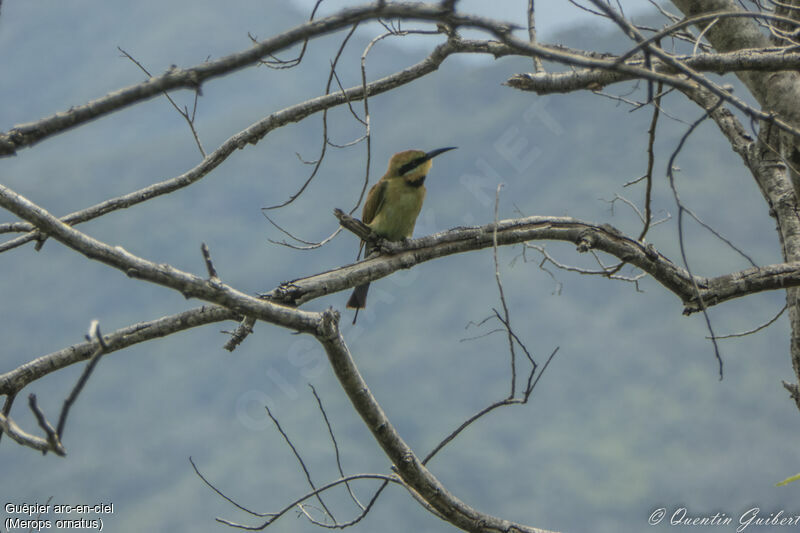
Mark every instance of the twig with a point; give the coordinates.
(466, 423)
(276, 515)
(335, 446)
(541, 372)
(681, 243)
(531, 384)
(22, 438)
(537, 61)
(305, 244)
(212, 272)
(629, 203)
(299, 460)
(507, 321)
(651, 132)
(279, 64)
(765, 325)
(183, 112)
(53, 441)
(721, 237)
(354, 225)
(223, 495)
(241, 332)
(94, 332)
(318, 162)
(7, 404)
(697, 20)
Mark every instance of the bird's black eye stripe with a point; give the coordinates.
(411, 165)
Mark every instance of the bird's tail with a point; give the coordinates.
(358, 300)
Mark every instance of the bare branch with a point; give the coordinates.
(15, 380)
(765, 325)
(241, 332)
(182, 112)
(27, 134)
(53, 440)
(719, 63)
(412, 471)
(224, 496)
(189, 285)
(335, 446)
(280, 64)
(16, 434)
(681, 209)
(9, 401)
(537, 62)
(250, 135)
(651, 132)
(468, 422)
(714, 290)
(324, 145)
(94, 333)
(300, 461)
(700, 20)
(587, 236)
(276, 515)
(212, 272)
(507, 320)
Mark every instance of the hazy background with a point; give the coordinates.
(629, 417)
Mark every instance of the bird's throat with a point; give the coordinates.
(417, 181)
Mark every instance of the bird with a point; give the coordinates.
(393, 205)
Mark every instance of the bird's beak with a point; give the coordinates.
(433, 153)
(411, 165)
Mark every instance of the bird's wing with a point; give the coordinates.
(374, 201)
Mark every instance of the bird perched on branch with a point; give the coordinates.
(393, 205)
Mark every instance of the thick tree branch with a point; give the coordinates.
(406, 463)
(188, 284)
(15, 380)
(769, 169)
(776, 92)
(25, 135)
(775, 157)
(405, 255)
(23, 438)
(402, 256)
(593, 79)
(253, 134)
(737, 135)
(734, 33)
(585, 235)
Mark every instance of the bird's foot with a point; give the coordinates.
(387, 247)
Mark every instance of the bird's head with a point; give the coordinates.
(413, 165)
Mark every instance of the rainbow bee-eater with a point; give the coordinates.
(393, 205)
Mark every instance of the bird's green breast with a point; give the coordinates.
(399, 209)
